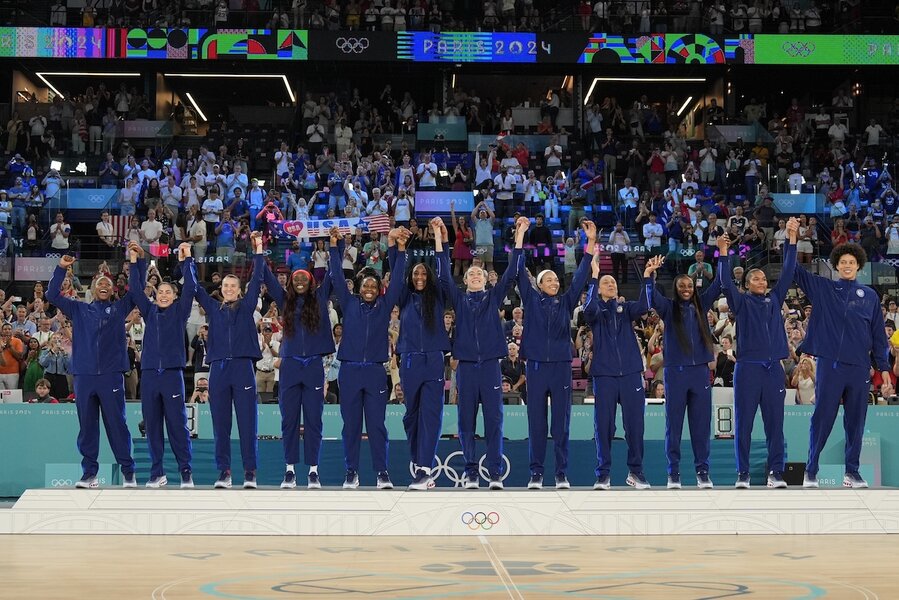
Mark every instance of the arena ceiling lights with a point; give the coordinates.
(44, 74)
(283, 78)
(641, 80)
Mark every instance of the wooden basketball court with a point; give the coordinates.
(266, 567)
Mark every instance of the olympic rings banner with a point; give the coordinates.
(156, 43)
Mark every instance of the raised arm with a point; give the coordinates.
(710, 294)
(582, 274)
(397, 281)
(274, 288)
(444, 271)
(660, 303)
(789, 264)
(591, 308)
(642, 305)
(335, 272)
(504, 285)
(189, 272)
(137, 279)
(255, 284)
(54, 289)
(734, 296)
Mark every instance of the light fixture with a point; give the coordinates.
(283, 78)
(89, 74)
(453, 84)
(50, 85)
(641, 80)
(44, 74)
(197, 107)
(684, 105)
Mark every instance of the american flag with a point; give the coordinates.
(315, 228)
(379, 223)
(120, 225)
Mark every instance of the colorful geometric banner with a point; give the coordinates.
(672, 48)
(207, 44)
(156, 43)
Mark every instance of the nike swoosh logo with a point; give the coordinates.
(116, 390)
(779, 391)
(248, 387)
(319, 387)
(565, 387)
(707, 387)
(640, 389)
(383, 392)
(496, 387)
(176, 395)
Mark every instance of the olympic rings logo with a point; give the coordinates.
(61, 483)
(480, 520)
(443, 467)
(352, 45)
(799, 49)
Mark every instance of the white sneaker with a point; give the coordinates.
(351, 481)
(290, 480)
(638, 481)
(854, 481)
(469, 483)
(496, 484)
(536, 482)
(674, 482)
(224, 480)
(384, 482)
(422, 482)
(88, 482)
(776, 481)
(158, 482)
(809, 482)
(129, 482)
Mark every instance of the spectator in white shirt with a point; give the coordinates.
(872, 134)
(282, 157)
(150, 230)
(427, 172)
(377, 205)
(215, 178)
(237, 179)
(652, 233)
(59, 233)
(553, 153)
(171, 199)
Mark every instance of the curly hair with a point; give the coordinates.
(310, 317)
(364, 274)
(848, 248)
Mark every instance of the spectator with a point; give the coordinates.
(12, 352)
(59, 234)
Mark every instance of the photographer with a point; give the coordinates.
(201, 392)
(55, 362)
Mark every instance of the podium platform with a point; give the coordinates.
(370, 512)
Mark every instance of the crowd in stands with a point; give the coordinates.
(665, 193)
(614, 16)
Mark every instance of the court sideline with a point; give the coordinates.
(481, 567)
